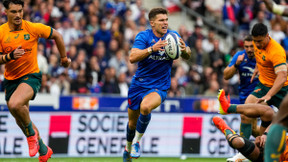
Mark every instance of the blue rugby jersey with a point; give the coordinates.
(246, 69)
(155, 70)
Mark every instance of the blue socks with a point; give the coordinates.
(143, 122)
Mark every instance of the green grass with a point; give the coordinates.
(100, 159)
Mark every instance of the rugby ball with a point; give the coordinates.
(172, 49)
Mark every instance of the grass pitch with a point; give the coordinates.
(102, 159)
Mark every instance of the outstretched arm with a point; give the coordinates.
(65, 62)
(275, 8)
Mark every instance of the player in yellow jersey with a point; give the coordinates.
(272, 88)
(18, 47)
(274, 145)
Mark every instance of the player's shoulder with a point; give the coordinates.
(239, 53)
(275, 46)
(29, 24)
(4, 27)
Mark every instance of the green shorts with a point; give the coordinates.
(261, 90)
(34, 80)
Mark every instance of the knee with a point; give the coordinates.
(269, 113)
(145, 108)
(13, 106)
(244, 118)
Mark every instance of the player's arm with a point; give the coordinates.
(137, 54)
(185, 50)
(15, 54)
(281, 78)
(229, 72)
(276, 8)
(61, 47)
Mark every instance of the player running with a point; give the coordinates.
(275, 144)
(151, 80)
(18, 47)
(244, 62)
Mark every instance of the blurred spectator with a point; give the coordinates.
(208, 43)
(260, 19)
(196, 5)
(245, 16)
(64, 84)
(217, 61)
(230, 12)
(68, 32)
(213, 89)
(122, 84)
(45, 87)
(135, 10)
(41, 59)
(93, 24)
(100, 52)
(79, 86)
(214, 9)
(183, 32)
(118, 62)
(197, 34)
(278, 19)
(110, 84)
(174, 90)
(276, 33)
(199, 58)
(103, 34)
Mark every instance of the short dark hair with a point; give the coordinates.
(248, 38)
(6, 3)
(259, 29)
(155, 11)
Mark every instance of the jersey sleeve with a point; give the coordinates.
(234, 59)
(278, 58)
(140, 41)
(43, 31)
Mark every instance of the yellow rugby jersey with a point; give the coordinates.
(27, 37)
(267, 59)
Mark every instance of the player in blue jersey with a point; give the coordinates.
(152, 79)
(245, 62)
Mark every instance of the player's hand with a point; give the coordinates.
(240, 58)
(65, 62)
(182, 45)
(158, 46)
(264, 99)
(263, 140)
(17, 53)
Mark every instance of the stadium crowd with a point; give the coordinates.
(98, 35)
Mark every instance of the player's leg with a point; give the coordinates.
(247, 112)
(246, 147)
(151, 101)
(17, 105)
(130, 133)
(275, 143)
